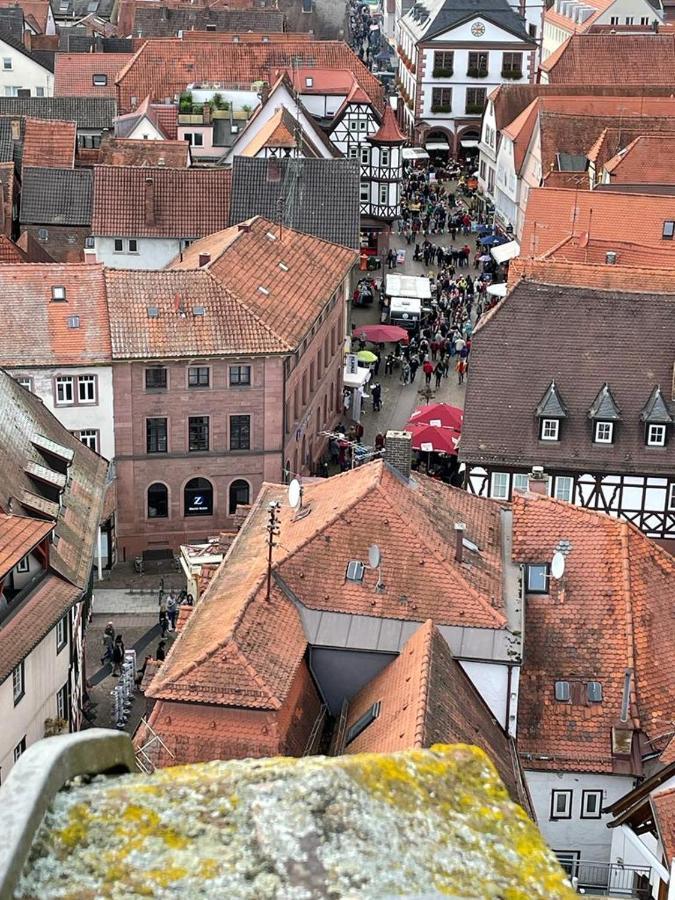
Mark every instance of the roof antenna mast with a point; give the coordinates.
(272, 532)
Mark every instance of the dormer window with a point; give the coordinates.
(99, 80)
(657, 418)
(656, 435)
(309, 82)
(58, 294)
(604, 433)
(550, 429)
(668, 230)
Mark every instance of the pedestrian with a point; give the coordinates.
(391, 258)
(460, 368)
(160, 655)
(108, 643)
(118, 656)
(163, 622)
(389, 364)
(172, 611)
(428, 369)
(438, 374)
(163, 601)
(414, 366)
(376, 394)
(405, 372)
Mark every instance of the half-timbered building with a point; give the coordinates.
(580, 382)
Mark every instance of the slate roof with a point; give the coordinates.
(11, 22)
(188, 203)
(10, 149)
(78, 9)
(56, 197)
(551, 404)
(613, 59)
(286, 280)
(74, 73)
(656, 408)
(434, 17)
(321, 195)
(49, 144)
(604, 407)
(617, 612)
(95, 113)
(35, 330)
(500, 424)
(37, 11)
(426, 698)
(166, 22)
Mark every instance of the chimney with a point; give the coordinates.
(28, 40)
(149, 202)
(204, 259)
(244, 226)
(610, 258)
(206, 114)
(460, 528)
(538, 481)
(398, 451)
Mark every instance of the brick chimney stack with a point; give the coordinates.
(398, 451)
(538, 481)
(150, 218)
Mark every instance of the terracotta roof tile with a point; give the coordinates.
(426, 698)
(49, 143)
(163, 68)
(591, 253)
(612, 611)
(663, 804)
(389, 131)
(286, 280)
(613, 59)
(120, 152)
(227, 325)
(36, 331)
(9, 252)
(646, 160)
(18, 535)
(74, 73)
(187, 203)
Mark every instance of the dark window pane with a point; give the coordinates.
(158, 501)
(240, 374)
(155, 378)
(155, 431)
(240, 495)
(240, 433)
(198, 433)
(198, 376)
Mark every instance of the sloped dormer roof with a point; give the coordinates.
(551, 405)
(604, 406)
(656, 409)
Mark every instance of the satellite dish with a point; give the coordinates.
(374, 556)
(557, 565)
(294, 493)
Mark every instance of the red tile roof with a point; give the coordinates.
(426, 698)
(36, 330)
(9, 252)
(663, 804)
(74, 73)
(647, 160)
(18, 536)
(286, 280)
(389, 131)
(613, 59)
(614, 609)
(555, 214)
(49, 143)
(591, 253)
(121, 152)
(163, 68)
(226, 326)
(187, 203)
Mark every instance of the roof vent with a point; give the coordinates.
(355, 571)
(263, 290)
(594, 692)
(610, 258)
(283, 267)
(198, 311)
(153, 312)
(58, 294)
(270, 235)
(73, 321)
(562, 691)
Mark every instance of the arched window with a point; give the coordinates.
(158, 501)
(198, 497)
(240, 494)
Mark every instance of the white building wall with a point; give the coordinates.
(98, 416)
(590, 837)
(145, 131)
(491, 680)
(25, 73)
(153, 253)
(45, 673)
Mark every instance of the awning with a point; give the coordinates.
(497, 290)
(468, 144)
(356, 380)
(504, 252)
(437, 145)
(414, 153)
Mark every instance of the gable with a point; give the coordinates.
(493, 34)
(145, 127)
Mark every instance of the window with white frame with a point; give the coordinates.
(20, 748)
(86, 388)
(363, 125)
(89, 437)
(23, 565)
(604, 432)
(61, 633)
(385, 157)
(7, 63)
(133, 245)
(353, 153)
(364, 192)
(18, 682)
(118, 245)
(537, 579)
(591, 804)
(384, 194)
(62, 711)
(24, 381)
(499, 486)
(561, 804)
(521, 481)
(564, 487)
(65, 390)
(671, 498)
(656, 435)
(365, 156)
(644, 20)
(352, 125)
(550, 429)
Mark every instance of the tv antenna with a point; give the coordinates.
(375, 562)
(272, 532)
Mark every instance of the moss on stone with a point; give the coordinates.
(367, 826)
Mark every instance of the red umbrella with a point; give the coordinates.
(381, 334)
(439, 414)
(434, 438)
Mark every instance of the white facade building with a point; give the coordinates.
(450, 59)
(20, 70)
(137, 253)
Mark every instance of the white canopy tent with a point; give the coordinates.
(437, 145)
(497, 290)
(469, 144)
(503, 252)
(408, 286)
(414, 153)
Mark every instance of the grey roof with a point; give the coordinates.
(11, 22)
(321, 196)
(551, 405)
(91, 113)
(604, 406)
(10, 150)
(165, 22)
(571, 162)
(78, 9)
(44, 58)
(436, 17)
(56, 197)
(656, 409)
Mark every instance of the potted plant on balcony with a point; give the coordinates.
(477, 72)
(442, 73)
(511, 74)
(473, 109)
(440, 109)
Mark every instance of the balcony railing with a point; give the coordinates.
(609, 879)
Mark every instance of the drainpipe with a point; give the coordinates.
(99, 543)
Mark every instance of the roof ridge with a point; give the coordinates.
(248, 665)
(425, 676)
(628, 620)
